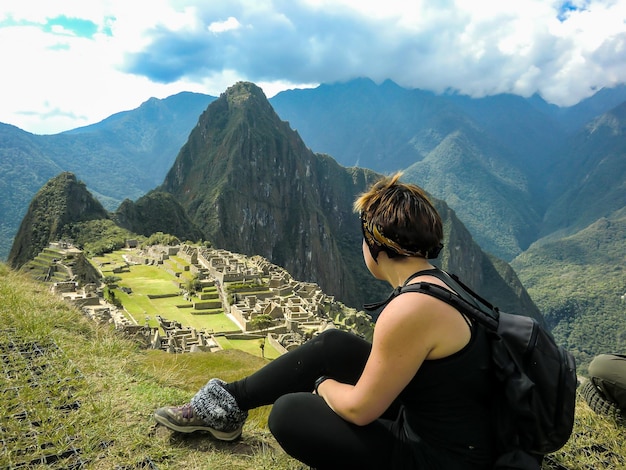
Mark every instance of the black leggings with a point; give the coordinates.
(303, 424)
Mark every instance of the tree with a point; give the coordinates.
(262, 322)
(111, 280)
(193, 285)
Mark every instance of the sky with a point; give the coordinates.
(71, 63)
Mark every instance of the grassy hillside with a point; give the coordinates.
(75, 395)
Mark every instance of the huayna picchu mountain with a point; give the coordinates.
(252, 185)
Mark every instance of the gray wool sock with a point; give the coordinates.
(214, 405)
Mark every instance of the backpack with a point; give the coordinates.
(536, 378)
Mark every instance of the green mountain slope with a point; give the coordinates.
(491, 196)
(578, 282)
(592, 181)
(124, 156)
(157, 212)
(24, 169)
(62, 201)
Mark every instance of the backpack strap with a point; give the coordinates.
(488, 319)
(453, 281)
(463, 299)
(377, 305)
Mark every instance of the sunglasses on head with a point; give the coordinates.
(374, 246)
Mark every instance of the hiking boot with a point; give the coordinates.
(212, 409)
(599, 403)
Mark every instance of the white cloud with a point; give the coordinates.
(57, 78)
(222, 26)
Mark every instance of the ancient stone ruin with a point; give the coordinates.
(262, 300)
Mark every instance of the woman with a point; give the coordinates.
(418, 396)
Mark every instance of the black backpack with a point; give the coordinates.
(537, 381)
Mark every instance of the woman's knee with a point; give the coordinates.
(279, 414)
(340, 340)
(292, 415)
(608, 367)
(333, 334)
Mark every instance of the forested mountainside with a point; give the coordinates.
(521, 174)
(498, 161)
(122, 157)
(61, 202)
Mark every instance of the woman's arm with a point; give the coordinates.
(406, 332)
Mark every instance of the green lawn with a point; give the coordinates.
(109, 259)
(144, 280)
(140, 307)
(149, 280)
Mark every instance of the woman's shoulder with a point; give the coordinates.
(428, 319)
(416, 310)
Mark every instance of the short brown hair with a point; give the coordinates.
(400, 219)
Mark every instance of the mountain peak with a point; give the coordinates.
(251, 184)
(246, 96)
(61, 201)
(238, 128)
(243, 91)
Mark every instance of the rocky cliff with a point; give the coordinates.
(248, 180)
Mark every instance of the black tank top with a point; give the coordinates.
(447, 403)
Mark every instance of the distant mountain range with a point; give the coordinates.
(499, 154)
(499, 161)
(122, 157)
(246, 182)
(523, 176)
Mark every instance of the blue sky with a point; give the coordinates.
(69, 63)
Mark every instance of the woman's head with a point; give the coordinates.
(399, 219)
